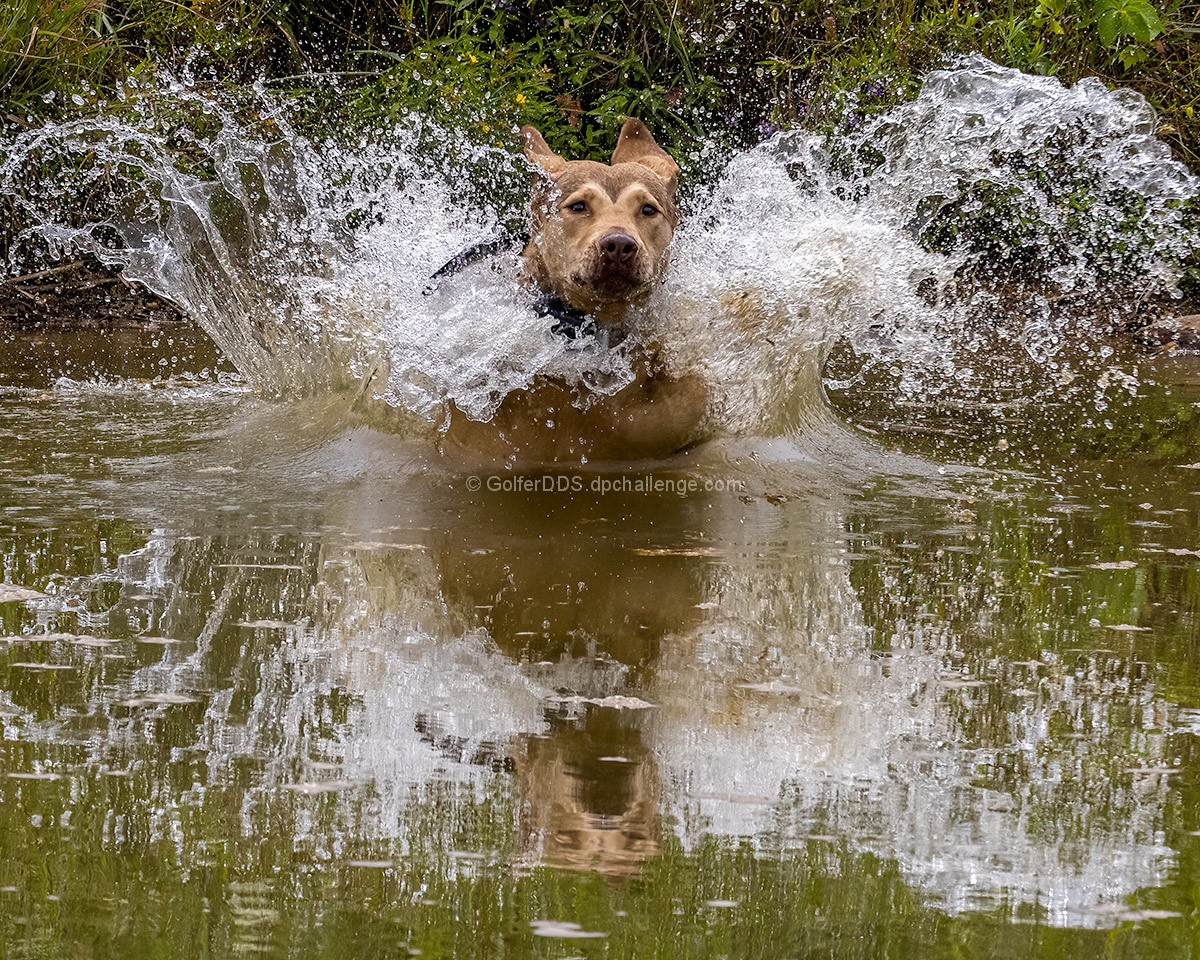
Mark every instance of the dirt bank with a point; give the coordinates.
(83, 295)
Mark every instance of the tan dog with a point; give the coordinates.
(600, 232)
(600, 242)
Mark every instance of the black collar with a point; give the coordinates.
(568, 322)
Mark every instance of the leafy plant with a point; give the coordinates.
(1126, 20)
(701, 72)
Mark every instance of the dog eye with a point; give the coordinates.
(577, 207)
(649, 210)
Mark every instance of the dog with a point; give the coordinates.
(599, 245)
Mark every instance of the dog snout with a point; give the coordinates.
(617, 248)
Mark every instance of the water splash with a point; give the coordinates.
(307, 260)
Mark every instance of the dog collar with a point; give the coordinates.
(502, 241)
(568, 322)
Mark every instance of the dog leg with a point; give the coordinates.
(665, 416)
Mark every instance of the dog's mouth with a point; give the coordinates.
(613, 281)
(611, 288)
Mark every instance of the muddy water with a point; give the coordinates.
(292, 689)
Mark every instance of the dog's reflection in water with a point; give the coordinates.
(589, 787)
(592, 793)
(590, 631)
(526, 633)
(582, 593)
(572, 577)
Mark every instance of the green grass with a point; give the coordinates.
(688, 67)
(706, 75)
(52, 46)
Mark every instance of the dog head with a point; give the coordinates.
(601, 231)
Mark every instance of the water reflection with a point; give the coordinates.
(377, 667)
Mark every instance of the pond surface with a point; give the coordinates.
(293, 690)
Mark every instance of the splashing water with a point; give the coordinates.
(308, 261)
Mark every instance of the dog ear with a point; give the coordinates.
(539, 152)
(636, 145)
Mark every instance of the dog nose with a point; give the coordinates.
(618, 247)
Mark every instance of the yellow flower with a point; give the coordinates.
(486, 128)
(472, 58)
(520, 98)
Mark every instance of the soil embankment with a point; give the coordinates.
(83, 295)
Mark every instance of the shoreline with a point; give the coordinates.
(83, 295)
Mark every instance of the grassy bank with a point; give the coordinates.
(689, 67)
(701, 72)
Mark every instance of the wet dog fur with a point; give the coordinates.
(600, 244)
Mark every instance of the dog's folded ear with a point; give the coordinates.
(539, 152)
(636, 145)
